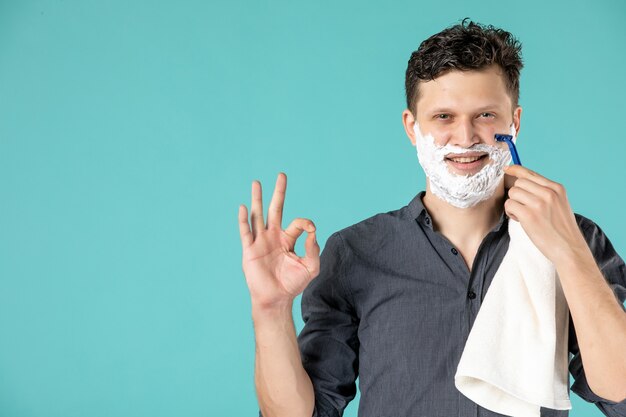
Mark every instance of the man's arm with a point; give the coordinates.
(283, 386)
(599, 320)
(542, 208)
(275, 276)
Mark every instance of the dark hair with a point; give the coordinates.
(464, 47)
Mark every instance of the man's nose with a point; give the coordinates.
(465, 135)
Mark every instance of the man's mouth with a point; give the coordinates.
(466, 159)
(467, 163)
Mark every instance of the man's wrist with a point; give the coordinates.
(275, 311)
(574, 258)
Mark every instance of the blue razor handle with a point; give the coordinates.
(509, 141)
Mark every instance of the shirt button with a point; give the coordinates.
(471, 295)
(427, 220)
(454, 251)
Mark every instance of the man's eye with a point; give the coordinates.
(443, 116)
(487, 114)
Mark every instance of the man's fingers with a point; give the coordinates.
(520, 171)
(514, 209)
(256, 214)
(244, 227)
(509, 181)
(523, 172)
(275, 210)
(298, 226)
(513, 217)
(312, 254)
(534, 188)
(525, 196)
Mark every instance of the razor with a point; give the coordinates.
(509, 141)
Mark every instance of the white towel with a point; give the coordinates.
(515, 358)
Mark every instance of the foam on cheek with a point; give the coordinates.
(513, 132)
(460, 190)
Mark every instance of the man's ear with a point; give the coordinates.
(408, 121)
(517, 118)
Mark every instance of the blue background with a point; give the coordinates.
(131, 131)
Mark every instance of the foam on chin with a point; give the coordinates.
(461, 191)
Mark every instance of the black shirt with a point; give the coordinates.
(394, 304)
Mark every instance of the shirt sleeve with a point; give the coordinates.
(612, 267)
(328, 341)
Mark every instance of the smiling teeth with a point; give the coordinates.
(466, 160)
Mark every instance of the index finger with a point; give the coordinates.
(523, 172)
(275, 210)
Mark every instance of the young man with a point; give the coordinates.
(393, 298)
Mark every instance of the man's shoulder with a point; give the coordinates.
(379, 227)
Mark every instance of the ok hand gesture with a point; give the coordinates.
(274, 273)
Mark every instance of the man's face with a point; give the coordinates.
(465, 108)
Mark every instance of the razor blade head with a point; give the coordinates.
(500, 137)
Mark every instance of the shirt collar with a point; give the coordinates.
(419, 212)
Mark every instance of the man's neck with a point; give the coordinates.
(465, 227)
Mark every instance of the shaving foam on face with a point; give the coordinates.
(461, 191)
